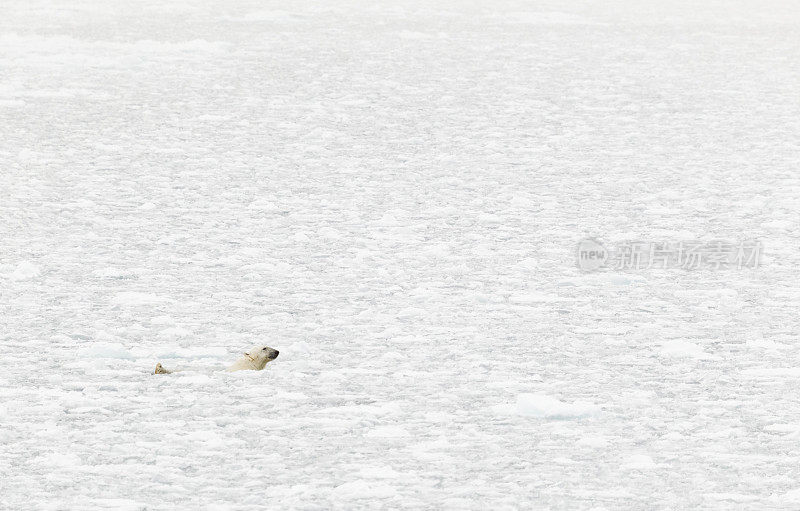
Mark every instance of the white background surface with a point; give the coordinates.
(390, 194)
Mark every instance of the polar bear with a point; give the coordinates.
(255, 359)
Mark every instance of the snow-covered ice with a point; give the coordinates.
(538, 405)
(391, 194)
(24, 271)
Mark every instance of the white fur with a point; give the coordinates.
(255, 359)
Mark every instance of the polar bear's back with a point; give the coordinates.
(243, 364)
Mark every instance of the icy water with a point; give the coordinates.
(391, 195)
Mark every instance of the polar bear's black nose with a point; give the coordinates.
(274, 353)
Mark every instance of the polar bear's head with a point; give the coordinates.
(260, 355)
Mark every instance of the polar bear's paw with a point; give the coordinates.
(160, 369)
